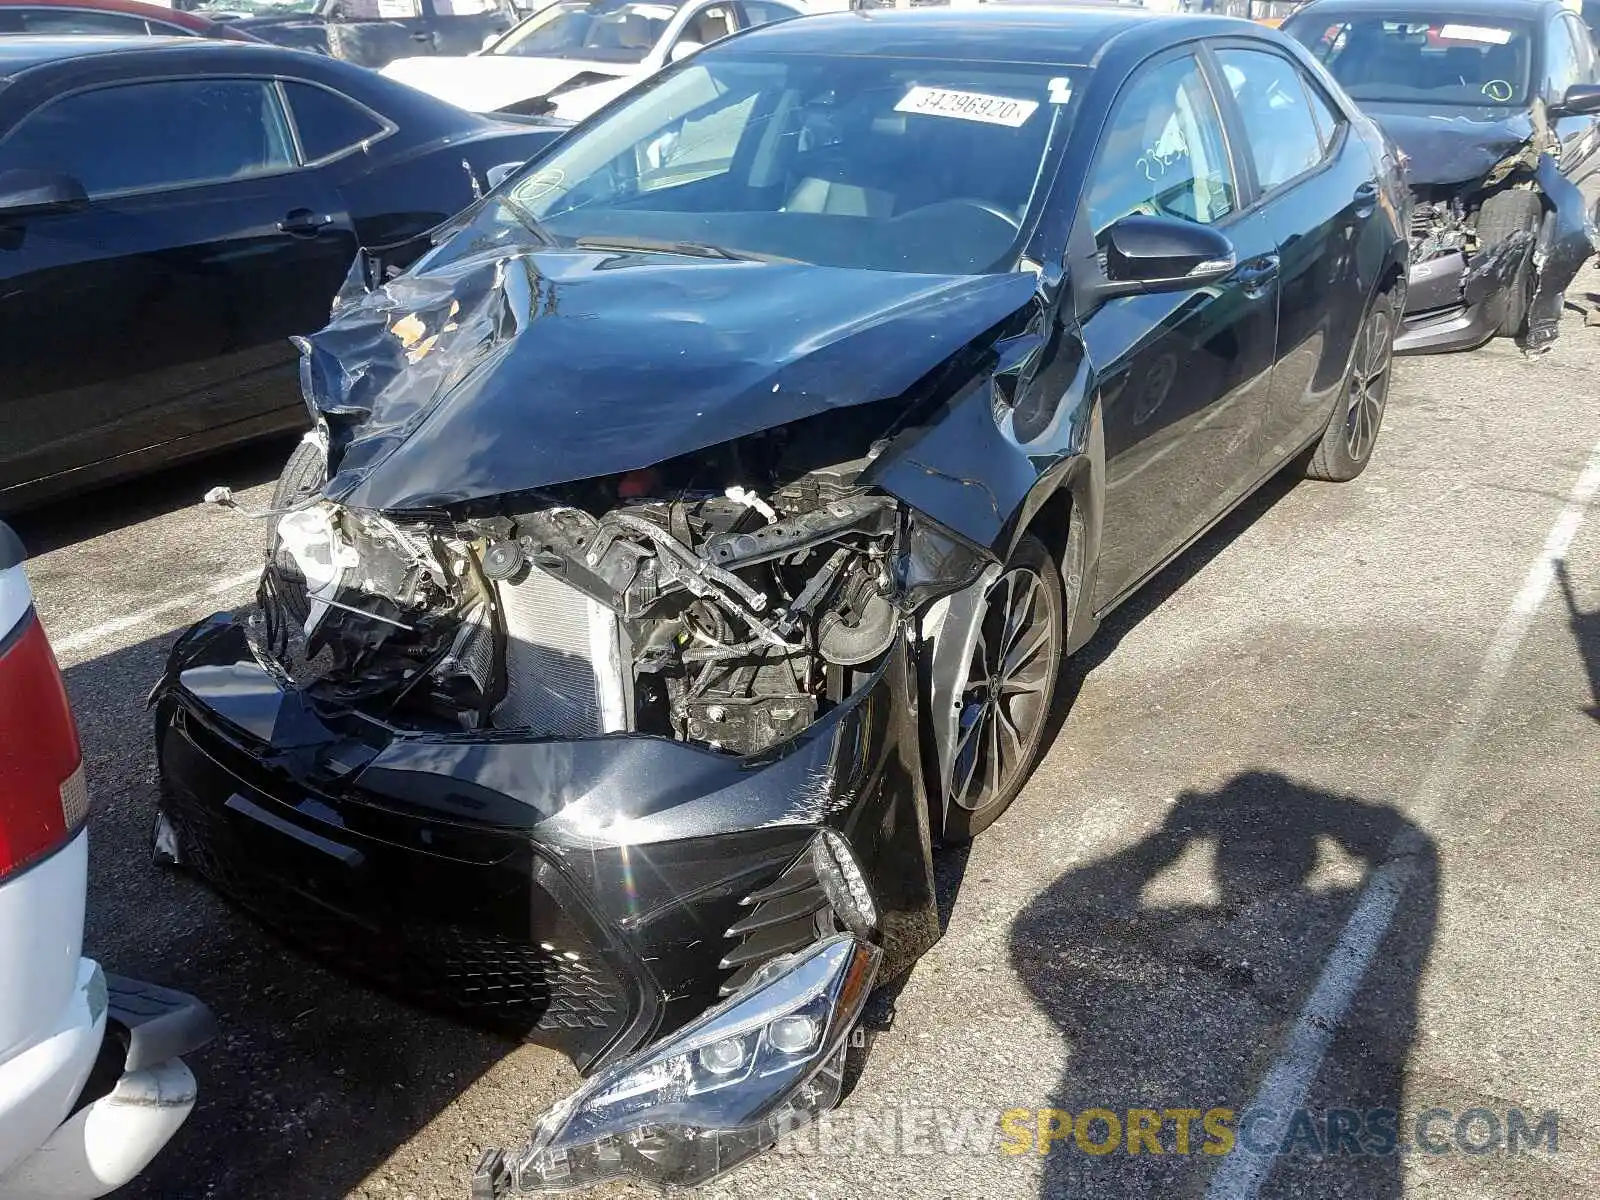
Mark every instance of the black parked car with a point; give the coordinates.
(1494, 103)
(701, 522)
(171, 212)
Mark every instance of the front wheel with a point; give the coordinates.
(1004, 700)
(1352, 432)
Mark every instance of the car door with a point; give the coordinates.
(159, 311)
(1570, 59)
(459, 27)
(373, 33)
(1317, 202)
(1182, 375)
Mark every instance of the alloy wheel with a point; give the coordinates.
(1007, 694)
(1369, 383)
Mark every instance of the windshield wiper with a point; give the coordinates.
(687, 249)
(527, 219)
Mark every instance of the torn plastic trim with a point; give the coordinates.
(1566, 242)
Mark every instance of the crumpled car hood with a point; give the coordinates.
(516, 368)
(1458, 145)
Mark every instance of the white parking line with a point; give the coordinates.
(1240, 1175)
(85, 638)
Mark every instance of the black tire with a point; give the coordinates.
(1032, 679)
(303, 475)
(1502, 215)
(1347, 443)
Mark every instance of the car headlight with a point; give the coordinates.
(767, 1060)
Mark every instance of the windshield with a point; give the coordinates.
(880, 163)
(1422, 59)
(601, 30)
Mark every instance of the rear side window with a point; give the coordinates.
(1163, 153)
(66, 20)
(329, 124)
(1327, 117)
(165, 134)
(1278, 124)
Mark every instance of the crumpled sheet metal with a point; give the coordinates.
(1496, 267)
(514, 369)
(1565, 244)
(1444, 149)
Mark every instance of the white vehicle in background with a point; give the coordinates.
(91, 1082)
(572, 56)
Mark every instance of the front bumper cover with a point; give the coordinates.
(589, 894)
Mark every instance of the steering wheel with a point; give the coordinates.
(984, 206)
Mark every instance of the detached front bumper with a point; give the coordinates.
(591, 894)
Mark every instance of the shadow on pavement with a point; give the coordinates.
(1176, 966)
(1586, 633)
(314, 1079)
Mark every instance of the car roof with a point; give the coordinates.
(1524, 10)
(22, 53)
(1017, 32)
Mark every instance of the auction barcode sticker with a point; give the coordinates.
(1475, 33)
(967, 106)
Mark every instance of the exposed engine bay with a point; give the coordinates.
(667, 600)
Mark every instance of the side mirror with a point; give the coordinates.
(24, 193)
(1581, 100)
(683, 50)
(1163, 254)
(500, 172)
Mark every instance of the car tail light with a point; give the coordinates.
(43, 798)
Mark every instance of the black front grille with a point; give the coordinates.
(788, 914)
(551, 986)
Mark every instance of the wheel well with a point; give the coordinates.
(1394, 276)
(1052, 525)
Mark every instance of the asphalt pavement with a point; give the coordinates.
(1317, 831)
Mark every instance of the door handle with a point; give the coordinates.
(1366, 198)
(1257, 275)
(302, 222)
(422, 35)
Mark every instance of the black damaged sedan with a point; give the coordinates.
(1495, 105)
(694, 531)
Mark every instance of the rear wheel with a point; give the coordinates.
(1005, 698)
(1502, 215)
(1352, 431)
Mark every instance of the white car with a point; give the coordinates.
(572, 56)
(91, 1082)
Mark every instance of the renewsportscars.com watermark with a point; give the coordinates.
(1334, 1132)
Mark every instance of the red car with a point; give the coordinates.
(115, 17)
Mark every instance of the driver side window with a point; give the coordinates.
(1163, 153)
(1561, 61)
